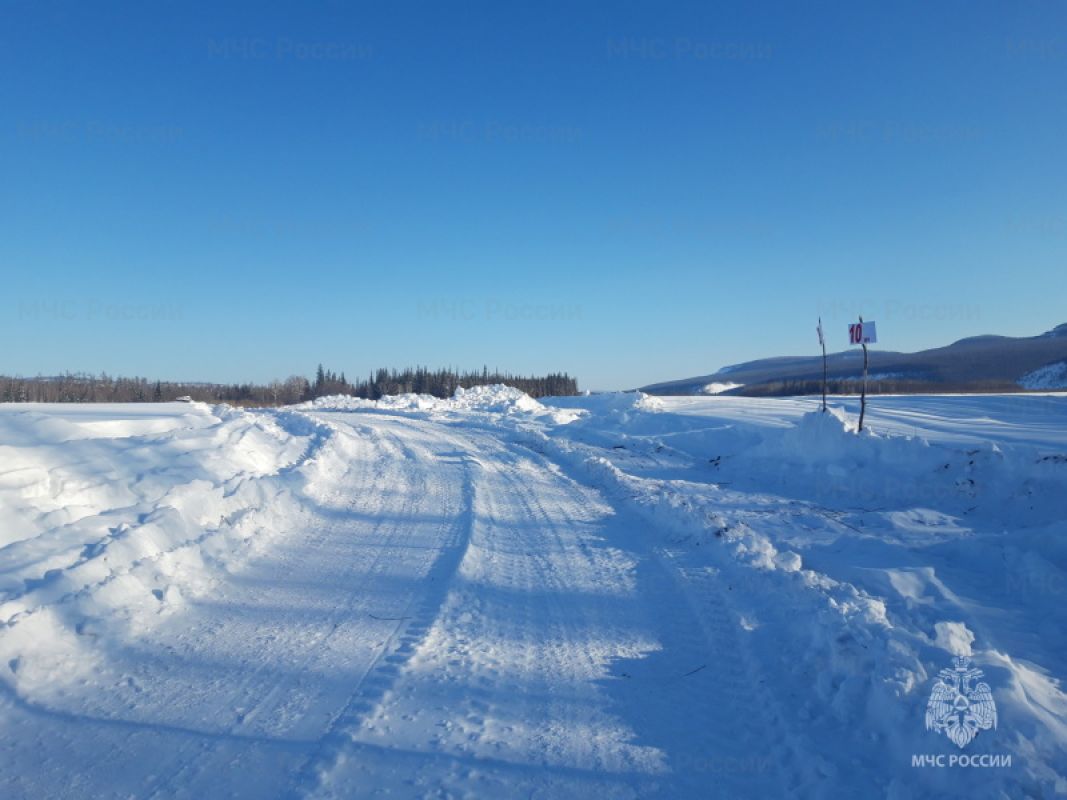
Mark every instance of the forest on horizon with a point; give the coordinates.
(103, 388)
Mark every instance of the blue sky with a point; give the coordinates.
(630, 192)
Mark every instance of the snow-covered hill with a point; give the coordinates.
(1049, 377)
(976, 363)
(612, 595)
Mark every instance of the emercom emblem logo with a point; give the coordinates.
(958, 707)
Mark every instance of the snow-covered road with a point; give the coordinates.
(447, 612)
(552, 656)
(499, 599)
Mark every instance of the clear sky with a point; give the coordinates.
(631, 192)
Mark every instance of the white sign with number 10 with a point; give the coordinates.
(862, 333)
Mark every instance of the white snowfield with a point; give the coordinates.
(490, 596)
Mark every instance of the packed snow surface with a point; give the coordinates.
(490, 596)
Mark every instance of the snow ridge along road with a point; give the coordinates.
(491, 597)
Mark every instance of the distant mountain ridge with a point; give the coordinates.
(978, 363)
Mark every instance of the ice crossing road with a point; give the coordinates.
(487, 596)
(449, 614)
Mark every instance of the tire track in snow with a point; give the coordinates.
(390, 533)
(753, 746)
(252, 682)
(412, 624)
(230, 695)
(256, 682)
(701, 684)
(736, 742)
(556, 666)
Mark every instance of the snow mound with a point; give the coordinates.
(624, 403)
(832, 439)
(399, 402)
(496, 399)
(831, 460)
(614, 404)
(111, 533)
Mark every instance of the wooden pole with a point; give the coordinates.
(863, 395)
(822, 341)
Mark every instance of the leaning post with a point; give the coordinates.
(822, 343)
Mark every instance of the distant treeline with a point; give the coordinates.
(83, 388)
(810, 387)
(439, 383)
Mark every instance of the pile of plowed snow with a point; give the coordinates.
(615, 406)
(492, 399)
(104, 526)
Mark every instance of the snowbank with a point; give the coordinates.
(102, 535)
(497, 399)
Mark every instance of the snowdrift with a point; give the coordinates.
(106, 528)
(496, 399)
